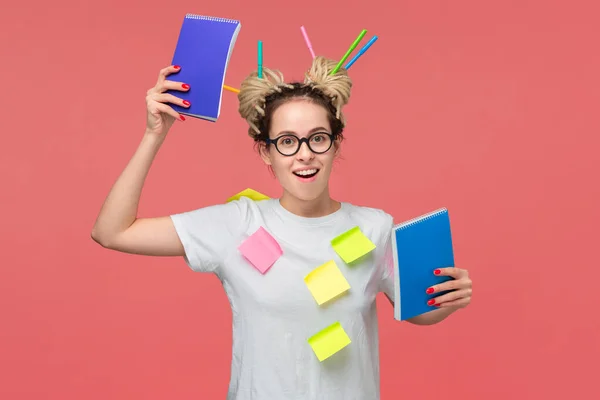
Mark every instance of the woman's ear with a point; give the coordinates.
(337, 144)
(264, 153)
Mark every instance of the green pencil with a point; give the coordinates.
(350, 50)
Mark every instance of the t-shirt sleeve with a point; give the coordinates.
(209, 233)
(387, 279)
(387, 276)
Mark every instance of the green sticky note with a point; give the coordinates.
(329, 341)
(352, 244)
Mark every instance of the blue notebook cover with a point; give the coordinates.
(420, 245)
(203, 51)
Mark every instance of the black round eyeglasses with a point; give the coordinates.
(288, 145)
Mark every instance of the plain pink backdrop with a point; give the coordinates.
(487, 108)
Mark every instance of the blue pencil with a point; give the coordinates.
(361, 52)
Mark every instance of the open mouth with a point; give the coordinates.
(306, 174)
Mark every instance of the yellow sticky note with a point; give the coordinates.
(326, 282)
(329, 341)
(352, 244)
(250, 193)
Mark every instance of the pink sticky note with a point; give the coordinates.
(261, 249)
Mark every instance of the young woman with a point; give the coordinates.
(298, 130)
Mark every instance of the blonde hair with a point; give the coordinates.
(256, 94)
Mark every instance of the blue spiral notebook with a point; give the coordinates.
(203, 51)
(420, 245)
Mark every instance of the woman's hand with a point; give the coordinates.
(160, 115)
(460, 289)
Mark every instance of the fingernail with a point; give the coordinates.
(182, 117)
(437, 271)
(185, 86)
(176, 66)
(431, 302)
(187, 103)
(430, 290)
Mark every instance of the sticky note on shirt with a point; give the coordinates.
(326, 282)
(261, 249)
(352, 244)
(329, 341)
(250, 193)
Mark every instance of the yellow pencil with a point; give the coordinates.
(231, 89)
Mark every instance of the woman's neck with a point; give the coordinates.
(319, 207)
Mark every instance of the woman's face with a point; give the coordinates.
(304, 175)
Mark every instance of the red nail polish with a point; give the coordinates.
(437, 272)
(431, 302)
(187, 103)
(185, 86)
(430, 290)
(182, 117)
(176, 66)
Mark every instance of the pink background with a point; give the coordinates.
(487, 108)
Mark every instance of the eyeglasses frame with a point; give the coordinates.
(300, 141)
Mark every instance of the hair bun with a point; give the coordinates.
(254, 91)
(336, 86)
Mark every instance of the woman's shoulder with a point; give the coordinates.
(370, 215)
(236, 211)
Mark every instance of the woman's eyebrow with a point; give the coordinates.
(313, 130)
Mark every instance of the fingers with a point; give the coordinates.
(459, 303)
(451, 297)
(156, 102)
(461, 283)
(459, 289)
(165, 109)
(168, 98)
(172, 85)
(451, 271)
(163, 84)
(163, 73)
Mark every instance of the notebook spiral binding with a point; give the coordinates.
(209, 18)
(421, 218)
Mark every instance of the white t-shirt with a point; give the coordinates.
(274, 313)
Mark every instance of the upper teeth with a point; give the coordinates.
(307, 172)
